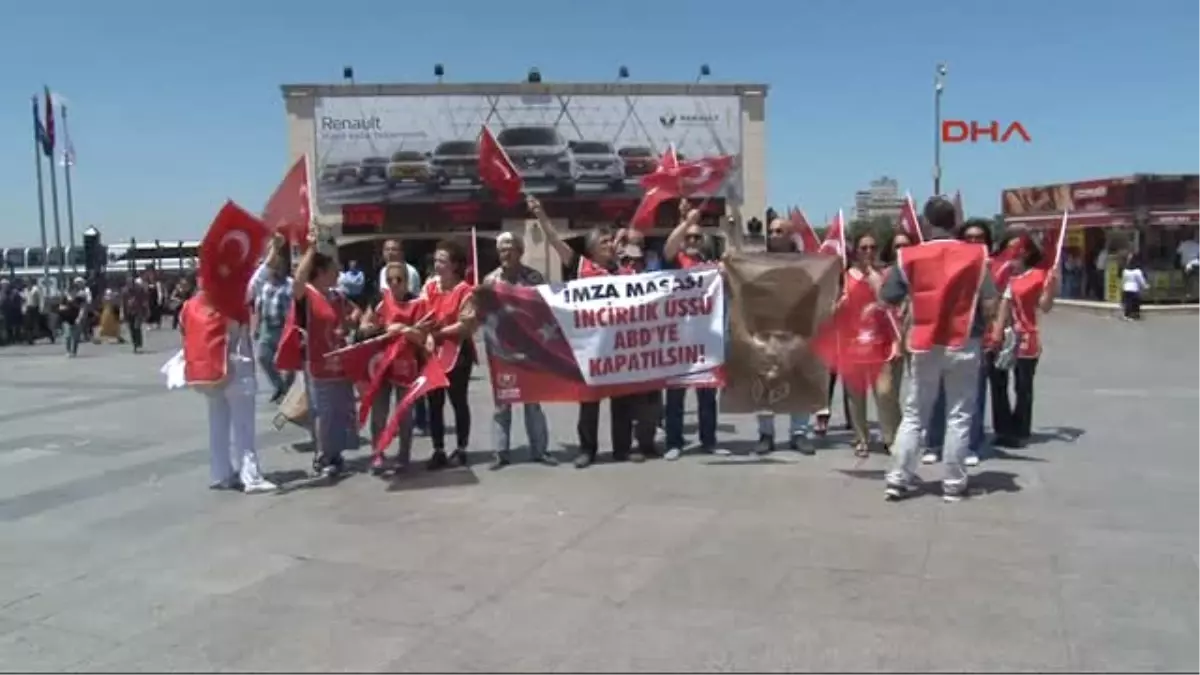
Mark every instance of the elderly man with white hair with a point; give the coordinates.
(509, 250)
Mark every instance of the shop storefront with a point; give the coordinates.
(1111, 219)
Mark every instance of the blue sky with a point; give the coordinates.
(176, 106)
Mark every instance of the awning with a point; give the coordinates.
(1173, 218)
(1080, 219)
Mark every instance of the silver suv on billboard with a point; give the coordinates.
(541, 156)
(598, 162)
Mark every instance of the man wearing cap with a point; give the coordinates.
(634, 416)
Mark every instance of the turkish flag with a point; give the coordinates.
(835, 237)
(703, 176)
(803, 232)
(360, 360)
(1052, 245)
(858, 340)
(909, 224)
(229, 254)
(497, 171)
(289, 210)
(432, 378)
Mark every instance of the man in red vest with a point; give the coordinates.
(952, 298)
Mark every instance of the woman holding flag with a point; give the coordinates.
(873, 336)
(448, 298)
(1030, 291)
(323, 312)
(400, 316)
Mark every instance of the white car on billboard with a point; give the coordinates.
(599, 162)
(541, 156)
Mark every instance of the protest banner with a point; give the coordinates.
(777, 301)
(604, 336)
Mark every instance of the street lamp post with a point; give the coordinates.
(939, 84)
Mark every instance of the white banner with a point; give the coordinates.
(659, 325)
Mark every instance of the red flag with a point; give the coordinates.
(432, 378)
(229, 254)
(1052, 245)
(959, 215)
(835, 237)
(360, 360)
(49, 125)
(289, 355)
(909, 224)
(703, 176)
(858, 340)
(497, 171)
(803, 232)
(1004, 263)
(289, 210)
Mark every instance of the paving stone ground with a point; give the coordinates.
(1078, 552)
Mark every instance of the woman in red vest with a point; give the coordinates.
(862, 270)
(1030, 292)
(398, 312)
(324, 314)
(448, 298)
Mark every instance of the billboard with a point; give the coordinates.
(1106, 202)
(422, 150)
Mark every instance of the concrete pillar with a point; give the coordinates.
(537, 249)
(754, 156)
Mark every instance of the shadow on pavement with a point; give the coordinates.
(1049, 434)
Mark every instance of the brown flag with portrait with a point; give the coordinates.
(776, 302)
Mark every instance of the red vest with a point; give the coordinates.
(445, 307)
(686, 262)
(406, 366)
(1026, 291)
(205, 343)
(943, 286)
(324, 331)
(587, 269)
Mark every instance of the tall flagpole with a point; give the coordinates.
(54, 202)
(38, 151)
(68, 162)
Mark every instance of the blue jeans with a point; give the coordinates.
(798, 425)
(535, 429)
(935, 430)
(72, 332)
(265, 351)
(706, 417)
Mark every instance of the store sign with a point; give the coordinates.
(421, 151)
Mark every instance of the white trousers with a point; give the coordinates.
(231, 428)
(958, 372)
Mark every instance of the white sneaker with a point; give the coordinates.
(929, 458)
(259, 486)
(971, 460)
(952, 497)
(672, 454)
(721, 452)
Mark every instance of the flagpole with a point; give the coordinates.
(57, 222)
(68, 160)
(41, 190)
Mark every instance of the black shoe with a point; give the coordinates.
(766, 445)
(583, 460)
(459, 458)
(438, 460)
(637, 457)
(278, 396)
(499, 461)
(621, 456)
(546, 459)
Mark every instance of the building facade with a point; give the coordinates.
(882, 199)
(401, 160)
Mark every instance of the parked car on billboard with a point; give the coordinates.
(454, 163)
(346, 171)
(372, 168)
(408, 166)
(639, 160)
(598, 162)
(329, 173)
(541, 156)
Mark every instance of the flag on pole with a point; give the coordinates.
(835, 237)
(909, 224)
(39, 130)
(802, 231)
(68, 154)
(48, 142)
(1052, 244)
